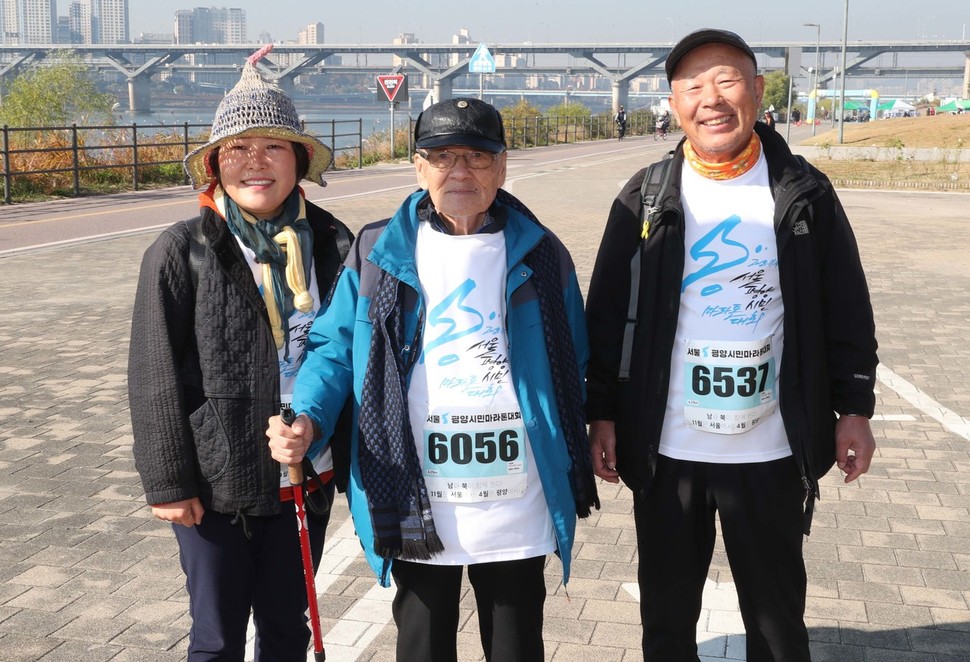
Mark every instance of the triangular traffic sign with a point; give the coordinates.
(390, 84)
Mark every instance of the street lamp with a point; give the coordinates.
(818, 35)
(845, 40)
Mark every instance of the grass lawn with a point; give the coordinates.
(947, 132)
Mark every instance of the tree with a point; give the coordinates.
(569, 110)
(522, 128)
(523, 110)
(55, 93)
(776, 90)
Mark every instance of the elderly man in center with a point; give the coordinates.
(458, 327)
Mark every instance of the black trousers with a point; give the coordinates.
(760, 506)
(509, 595)
(228, 575)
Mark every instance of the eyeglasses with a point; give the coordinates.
(444, 159)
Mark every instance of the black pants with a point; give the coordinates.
(509, 595)
(228, 575)
(760, 507)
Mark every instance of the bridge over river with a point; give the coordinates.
(441, 65)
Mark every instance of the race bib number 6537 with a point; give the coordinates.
(729, 385)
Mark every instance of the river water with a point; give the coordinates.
(372, 120)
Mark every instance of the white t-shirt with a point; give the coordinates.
(486, 496)
(289, 363)
(723, 397)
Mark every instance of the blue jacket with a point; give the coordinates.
(339, 344)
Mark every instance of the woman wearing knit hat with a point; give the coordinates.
(223, 306)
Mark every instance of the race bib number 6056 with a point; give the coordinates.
(470, 458)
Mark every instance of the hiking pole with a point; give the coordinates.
(296, 480)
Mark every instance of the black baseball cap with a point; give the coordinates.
(701, 37)
(464, 121)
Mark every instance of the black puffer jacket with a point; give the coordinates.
(203, 374)
(829, 360)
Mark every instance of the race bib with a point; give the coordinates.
(471, 457)
(729, 385)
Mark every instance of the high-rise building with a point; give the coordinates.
(99, 21)
(64, 31)
(312, 34)
(400, 40)
(110, 21)
(79, 20)
(463, 37)
(210, 25)
(28, 22)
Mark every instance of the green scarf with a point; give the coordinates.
(284, 246)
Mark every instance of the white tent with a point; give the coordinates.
(895, 108)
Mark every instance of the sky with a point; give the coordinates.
(557, 21)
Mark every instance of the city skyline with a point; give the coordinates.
(514, 21)
(501, 21)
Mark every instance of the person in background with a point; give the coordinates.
(663, 124)
(458, 328)
(769, 119)
(620, 120)
(753, 360)
(222, 310)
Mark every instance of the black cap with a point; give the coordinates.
(466, 122)
(701, 37)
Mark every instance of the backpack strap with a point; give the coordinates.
(655, 182)
(343, 239)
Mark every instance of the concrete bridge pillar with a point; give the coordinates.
(442, 89)
(140, 94)
(621, 95)
(286, 84)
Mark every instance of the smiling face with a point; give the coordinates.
(258, 173)
(716, 94)
(461, 195)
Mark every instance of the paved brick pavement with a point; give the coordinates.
(86, 574)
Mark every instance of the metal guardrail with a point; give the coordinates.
(99, 154)
(541, 130)
(76, 159)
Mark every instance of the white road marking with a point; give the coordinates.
(893, 417)
(913, 395)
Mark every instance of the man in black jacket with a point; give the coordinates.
(753, 359)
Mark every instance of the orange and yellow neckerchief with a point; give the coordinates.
(721, 171)
(718, 171)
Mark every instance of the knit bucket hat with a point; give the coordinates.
(255, 108)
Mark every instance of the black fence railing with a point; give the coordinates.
(70, 160)
(551, 130)
(76, 160)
